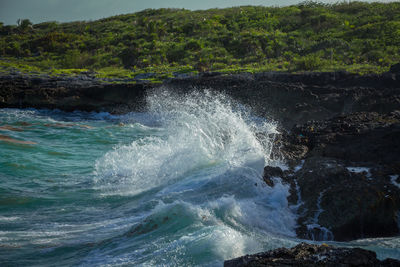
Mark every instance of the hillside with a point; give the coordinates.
(356, 37)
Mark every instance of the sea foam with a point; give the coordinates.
(204, 167)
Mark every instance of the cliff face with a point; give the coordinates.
(297, 98)
(70, 93)
(289, 98)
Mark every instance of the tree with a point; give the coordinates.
(24, 25)
(129, 56)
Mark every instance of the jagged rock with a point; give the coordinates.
(358, 137)
(312, 255)
(347, 204)
(340, 202)
(71, 93)
(270, 173)
(297, 98)
(289, 98)
(288, 147)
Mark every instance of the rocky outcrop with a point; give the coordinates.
(297, 98)
(289, 98)
(343, 185)
(312, 255)
(71, 93)
(357, 137)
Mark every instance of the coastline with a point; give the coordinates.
(331, 125)
(288, 98)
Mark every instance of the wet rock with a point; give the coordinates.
(312, 255)
(345, 205)
(288, 147)
(345, 184)
(270, 173)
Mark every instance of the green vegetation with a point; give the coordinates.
(356, 36)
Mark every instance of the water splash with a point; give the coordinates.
(199, 129)
(317, 232)
(204, 168)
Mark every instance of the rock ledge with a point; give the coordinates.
(312, 255)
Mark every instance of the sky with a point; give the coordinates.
(72, 10)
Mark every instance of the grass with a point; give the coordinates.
(161, 73)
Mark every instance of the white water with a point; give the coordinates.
(202, 168)
(393, 179)
(195, 131)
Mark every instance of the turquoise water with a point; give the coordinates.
(176, 185)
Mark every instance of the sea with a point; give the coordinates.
(177, 184)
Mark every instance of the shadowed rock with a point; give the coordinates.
(312, 255)
(345, 182)
(290, 98)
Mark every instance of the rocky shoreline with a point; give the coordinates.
(288, 98)
(344, 175)
(68, 93)
(339, 134)
(312, 255)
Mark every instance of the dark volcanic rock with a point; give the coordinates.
(345, 181)
(290, 98)
(297, 98)
(289, 147)
(70, 93)
(312, 255)
(347, 204)
(270, 173)
(358, 137)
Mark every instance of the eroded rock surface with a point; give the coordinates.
(312, 255)
(71, 93)
(289, 98)
(344, 184)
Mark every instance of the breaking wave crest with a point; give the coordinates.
(196, 130)
(198, 176)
